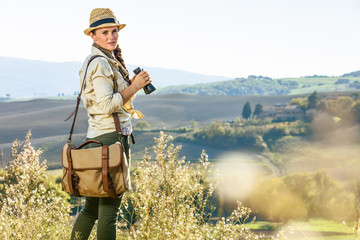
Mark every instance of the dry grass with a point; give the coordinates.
(171, 200)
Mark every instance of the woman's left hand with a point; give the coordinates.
(141, 80)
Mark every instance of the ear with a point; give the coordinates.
(92, 36)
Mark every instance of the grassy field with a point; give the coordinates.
(312, 229)
(320, 84)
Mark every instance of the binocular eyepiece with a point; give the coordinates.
(148, 88)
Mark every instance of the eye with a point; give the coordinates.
(105, 32)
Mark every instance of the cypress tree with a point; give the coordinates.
(246, 112)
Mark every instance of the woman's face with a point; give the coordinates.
(106, 37)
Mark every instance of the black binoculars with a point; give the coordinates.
(148, 88)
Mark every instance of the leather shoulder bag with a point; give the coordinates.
(102, 171)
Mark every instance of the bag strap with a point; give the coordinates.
(105, 167)
(115, 116)
(79, 98)
(117, 122)
(108, 183)
(88, 142)
(118, 128)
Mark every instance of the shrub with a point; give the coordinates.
(275, 133)
(172, 200)
(225, 136)
(324, 196)
(170, 197)
(302, 195)
(274, 201)
(27, 207)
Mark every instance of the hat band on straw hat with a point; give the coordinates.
(103, 21)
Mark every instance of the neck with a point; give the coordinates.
(105, 51)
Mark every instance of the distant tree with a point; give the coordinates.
(341, 106)
(355, 94)
(2, 159)
(142, 125)
(352, 74)
(246, 112)
(313, 100)
(356, 110)
(8, 96)
(323, 195)
(300, 102)
(342, 81)
(258, 109)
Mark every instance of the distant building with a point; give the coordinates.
(282, 112)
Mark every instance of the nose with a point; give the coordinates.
(113, 36)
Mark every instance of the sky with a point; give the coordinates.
(233, 38)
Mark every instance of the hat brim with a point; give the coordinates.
(88, 30)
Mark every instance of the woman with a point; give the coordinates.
(108, 90)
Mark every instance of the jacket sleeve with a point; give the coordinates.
(102, 80)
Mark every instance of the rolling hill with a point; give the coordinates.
(20, 78)
(254, 85)
(46, 117)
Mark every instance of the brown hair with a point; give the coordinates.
(118, 56)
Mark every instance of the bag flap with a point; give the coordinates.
(91, 158)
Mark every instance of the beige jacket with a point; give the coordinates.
(98, 96)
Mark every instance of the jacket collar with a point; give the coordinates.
(96, 50)
(108, 53)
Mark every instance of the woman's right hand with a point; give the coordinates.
(141, 80)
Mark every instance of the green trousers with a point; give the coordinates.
(103, 209)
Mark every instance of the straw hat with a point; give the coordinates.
(102, 17)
